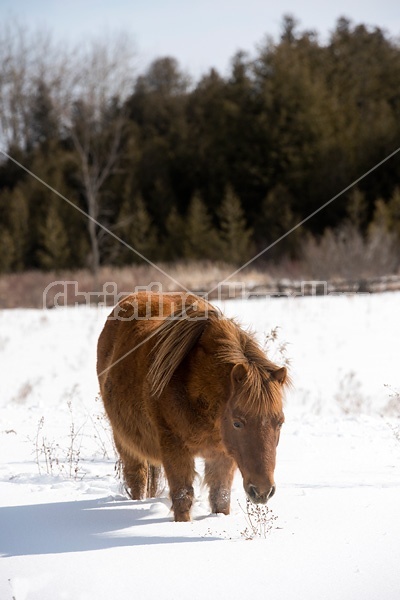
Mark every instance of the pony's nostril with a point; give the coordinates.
(271, 492)
(253, 493)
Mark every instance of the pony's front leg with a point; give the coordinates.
(179, 469)
(218, 475)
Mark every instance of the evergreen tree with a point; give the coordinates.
(19, 221)
(393, 213)
(7, 251)
(387, 215)
(201, 239)
(14, 225)
(54, 251)
(174, 241)
(275, 220)
(293, 116)
(209, 144)
(357, 208)
(235, 236)
(137, 230)
(44, 122)
(379, 225)
(53, 166)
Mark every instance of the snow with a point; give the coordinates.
(67, 531)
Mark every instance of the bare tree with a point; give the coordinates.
(18, 58)
(86, 88)
(95, 119)
(28, 58)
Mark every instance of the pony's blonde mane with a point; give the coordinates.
(258, 392)
(176, 336)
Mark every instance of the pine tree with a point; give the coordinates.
(387, 215)
(14, 218)
(44, 124)
(54, 252)
(201, 239)
(277, 218)
(394, 212)
(174, 243)
(137, 230)
(235, 236)
(357, 208)
(7, 251)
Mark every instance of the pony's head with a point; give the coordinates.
(253, 414)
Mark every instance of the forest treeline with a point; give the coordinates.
(216, 169)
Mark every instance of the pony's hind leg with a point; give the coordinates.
(135, 472)
(154, 480)
(218, 475)
(135, 476)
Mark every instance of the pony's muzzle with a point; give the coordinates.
(260, 496)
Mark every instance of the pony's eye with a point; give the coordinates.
(238, 424)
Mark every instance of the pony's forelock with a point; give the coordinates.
(258, 393)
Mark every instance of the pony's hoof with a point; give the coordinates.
(182, 517)
(222, 511)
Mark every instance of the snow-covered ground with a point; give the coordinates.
(67, 531)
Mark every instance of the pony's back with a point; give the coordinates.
(134, 319)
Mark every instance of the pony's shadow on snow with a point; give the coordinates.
(81, 526)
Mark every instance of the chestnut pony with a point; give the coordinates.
(179, 380)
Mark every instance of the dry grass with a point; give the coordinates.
(347, 254)
(29, 289)
(339, 256)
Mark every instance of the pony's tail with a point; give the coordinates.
(155, 481)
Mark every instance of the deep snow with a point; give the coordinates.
(73, 535)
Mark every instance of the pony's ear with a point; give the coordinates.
(239, 373)
(279, 375)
